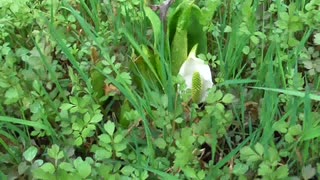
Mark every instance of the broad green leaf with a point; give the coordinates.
(228, 98)
(22, 168)
(105, 138)
(66, 166)
(118, 138)
(48, 167)
(55, 153)
(247, 154)
(11, 96)
(30, 153)
(280, 126)
(96, 118)
(246, 50)
(109, 127)
(189, 172)
(160, 143)
(295, 130)
(179, 50)
(227, 29)
(254, 39)
(179, 45)
(264, 170)
(311, 133)
(127, 170)
(83, 168)
(308, 172)
(179, 120)
(173, 18)
(102, 154)
(66, 106)
(259, 149)
(196, 34)
(120, 146)
(282, 172)
(240, 169)
(78, 141)
(214, 96)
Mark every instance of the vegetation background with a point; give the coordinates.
(89, 90)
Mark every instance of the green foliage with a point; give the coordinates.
(89, 90)
(186, 29)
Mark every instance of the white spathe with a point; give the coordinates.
(192, 65)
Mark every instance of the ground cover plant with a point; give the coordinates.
(150, 89)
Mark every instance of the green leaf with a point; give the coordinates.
(259, 149)
(196, 34)
(97, 80)
(78, 141)
(127, 170)
(201, 174)
(228, 98)
(179, 45)
(48, 167)
(240, 169)
(105, 138)
(295, 130)
(125, 108)
(282, 172)
(11, 96)
(179, 50)
(66, 166)
(66, 106)
(247, 154)
(156, 24)
(96, 118)
(120, 147)
(41, 174)
(254, 39)
(86, 118)
(83, 167)
(55, 153)
(118, 138)
(178, 120)
(311, 133)
(189, 172)
(30, 153)
(124, 78)
(227, 29)
(280, 126)
(208, 10)
(102, 154)
(246, 50)
(214, 96)
(308, 172)
(22, 168)
(264, 170)
(109, 127)
(87, 132)
(160, 143)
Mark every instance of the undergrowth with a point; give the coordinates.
(91, 90)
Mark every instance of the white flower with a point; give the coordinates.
(190, 70)
(316, 39)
